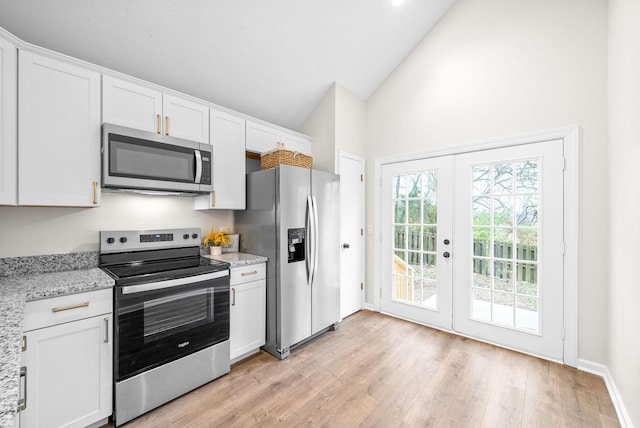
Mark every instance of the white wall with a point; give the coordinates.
(497, 68)
(350, 121)
(320, 125)
(26, 231)
(624, 198)
(336, 123)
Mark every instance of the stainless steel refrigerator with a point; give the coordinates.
(292, 217)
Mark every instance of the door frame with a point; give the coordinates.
(571, 198)
(342, 154)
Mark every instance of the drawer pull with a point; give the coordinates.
(67, 308)
(253, 272)
(234, 296)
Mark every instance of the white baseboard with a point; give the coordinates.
(616, 398)
(369, 307)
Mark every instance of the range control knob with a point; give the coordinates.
(194, 236)
(123, 239)
(185, 236)
(110, 240)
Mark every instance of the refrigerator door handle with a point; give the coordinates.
(316, 234)
(307, 242)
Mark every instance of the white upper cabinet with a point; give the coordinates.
(262, 138)
(185, 119)
(131, 105)
(228, 140)
(295, 143)
(8, 124)
(141, 107)
(59, 133)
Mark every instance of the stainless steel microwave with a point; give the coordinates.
(134, 160)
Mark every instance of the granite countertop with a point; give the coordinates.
(15, 291)
(238, 259)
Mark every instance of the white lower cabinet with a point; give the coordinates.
(68, 361)
(248, 310)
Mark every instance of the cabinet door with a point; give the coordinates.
(228, 139)
(295, 143)
(261, 138)
(127, 104)
(68, 374)
(59, 133)
(185, 119)
(8, 124)
(247, 318)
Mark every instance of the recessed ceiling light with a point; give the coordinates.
(396, 3)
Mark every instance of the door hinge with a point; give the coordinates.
(361, 178)
(24, 343)
(564, 164)
(361, 286)
(562, 332)
(564, 248)
(381, 292)
(361, 232)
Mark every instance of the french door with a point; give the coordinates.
(418, 223)
(474, 243)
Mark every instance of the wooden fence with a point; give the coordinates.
(502, 269)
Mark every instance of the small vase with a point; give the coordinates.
(215, 251)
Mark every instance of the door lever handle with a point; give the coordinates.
(345, 245)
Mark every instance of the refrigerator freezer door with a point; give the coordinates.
(294, 293)
(325, 299)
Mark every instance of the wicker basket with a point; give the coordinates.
(282, 156)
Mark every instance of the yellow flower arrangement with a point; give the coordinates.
(214, 239)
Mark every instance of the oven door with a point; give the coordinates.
(160, 322)
(134, 159)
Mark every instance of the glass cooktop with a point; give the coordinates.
(158, 270)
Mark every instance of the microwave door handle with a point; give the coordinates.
(198, 166)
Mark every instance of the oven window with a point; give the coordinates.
(131, 157)
(172, 314)
(159, 326)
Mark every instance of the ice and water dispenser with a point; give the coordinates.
(296, 244)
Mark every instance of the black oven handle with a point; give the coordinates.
(131, 289)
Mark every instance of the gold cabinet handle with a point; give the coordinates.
(249, 273)
(95, 193)
(68, 308)
(213, 198)
(167, 124)
(158, 123)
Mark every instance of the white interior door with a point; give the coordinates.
(351, 233)
(417, 214)
(473, 243)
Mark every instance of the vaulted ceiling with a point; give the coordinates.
(271, 59)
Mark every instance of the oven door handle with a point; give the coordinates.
(131, 289)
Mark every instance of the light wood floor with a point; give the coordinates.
(380, 371)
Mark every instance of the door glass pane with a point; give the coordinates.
(505, 206)
(415, 238)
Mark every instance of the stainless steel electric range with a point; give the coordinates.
(171, 312)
